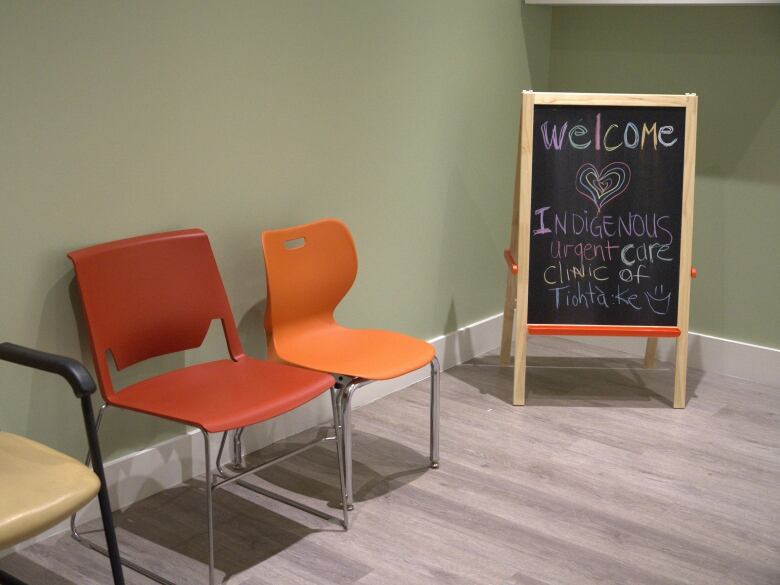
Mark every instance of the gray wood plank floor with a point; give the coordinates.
(596, 481)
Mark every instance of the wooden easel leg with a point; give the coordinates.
(681, 370)
(509, 317)
(521, 348)
(650, 349)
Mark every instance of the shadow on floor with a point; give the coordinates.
(379, 466)
(250, 528)
(245, 534)
(578, 381)
(29, 571)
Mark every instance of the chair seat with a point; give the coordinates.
(223, 395)
(362, 353)
(39, 487)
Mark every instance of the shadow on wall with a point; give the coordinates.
(472, 230)
(49, 394)
(726, 55)
(252, 331)
(708, 296)
(450, 324)
(251, 328)
(536, 34)
(459, 347)
(63, 330)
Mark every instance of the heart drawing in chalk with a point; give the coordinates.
(602, 186)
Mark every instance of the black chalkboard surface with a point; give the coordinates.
(606, 204)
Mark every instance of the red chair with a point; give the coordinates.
(154, 295)
(310, 268)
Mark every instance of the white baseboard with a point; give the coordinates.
(706, 352)
(141, 474)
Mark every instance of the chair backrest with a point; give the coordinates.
(150, 296)
(309, 268)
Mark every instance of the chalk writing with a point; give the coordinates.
(631, 137)
(606, 206)
(602, 185)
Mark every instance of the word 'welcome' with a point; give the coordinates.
(631, 136)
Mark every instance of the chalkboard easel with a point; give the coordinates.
(602, 223)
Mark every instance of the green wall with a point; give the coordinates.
(400, 117)
(730, 57)
(118, 119)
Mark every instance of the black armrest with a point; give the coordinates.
(73, 371)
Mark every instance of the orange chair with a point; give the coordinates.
(154, 295)
(309, 270)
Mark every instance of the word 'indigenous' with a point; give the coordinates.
(608, 136)
(651, 225)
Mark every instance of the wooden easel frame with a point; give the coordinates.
(516, 301)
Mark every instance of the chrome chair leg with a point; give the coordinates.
(239, 461)
(212, 486)
(435, 408)
(209, 505)
(346, 425)
(346, 432)
(337, 427)
(237, 478)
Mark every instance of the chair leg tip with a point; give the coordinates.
(434, 465)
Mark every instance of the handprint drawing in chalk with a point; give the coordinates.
(658, 303)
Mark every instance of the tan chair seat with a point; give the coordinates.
(39, 487)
